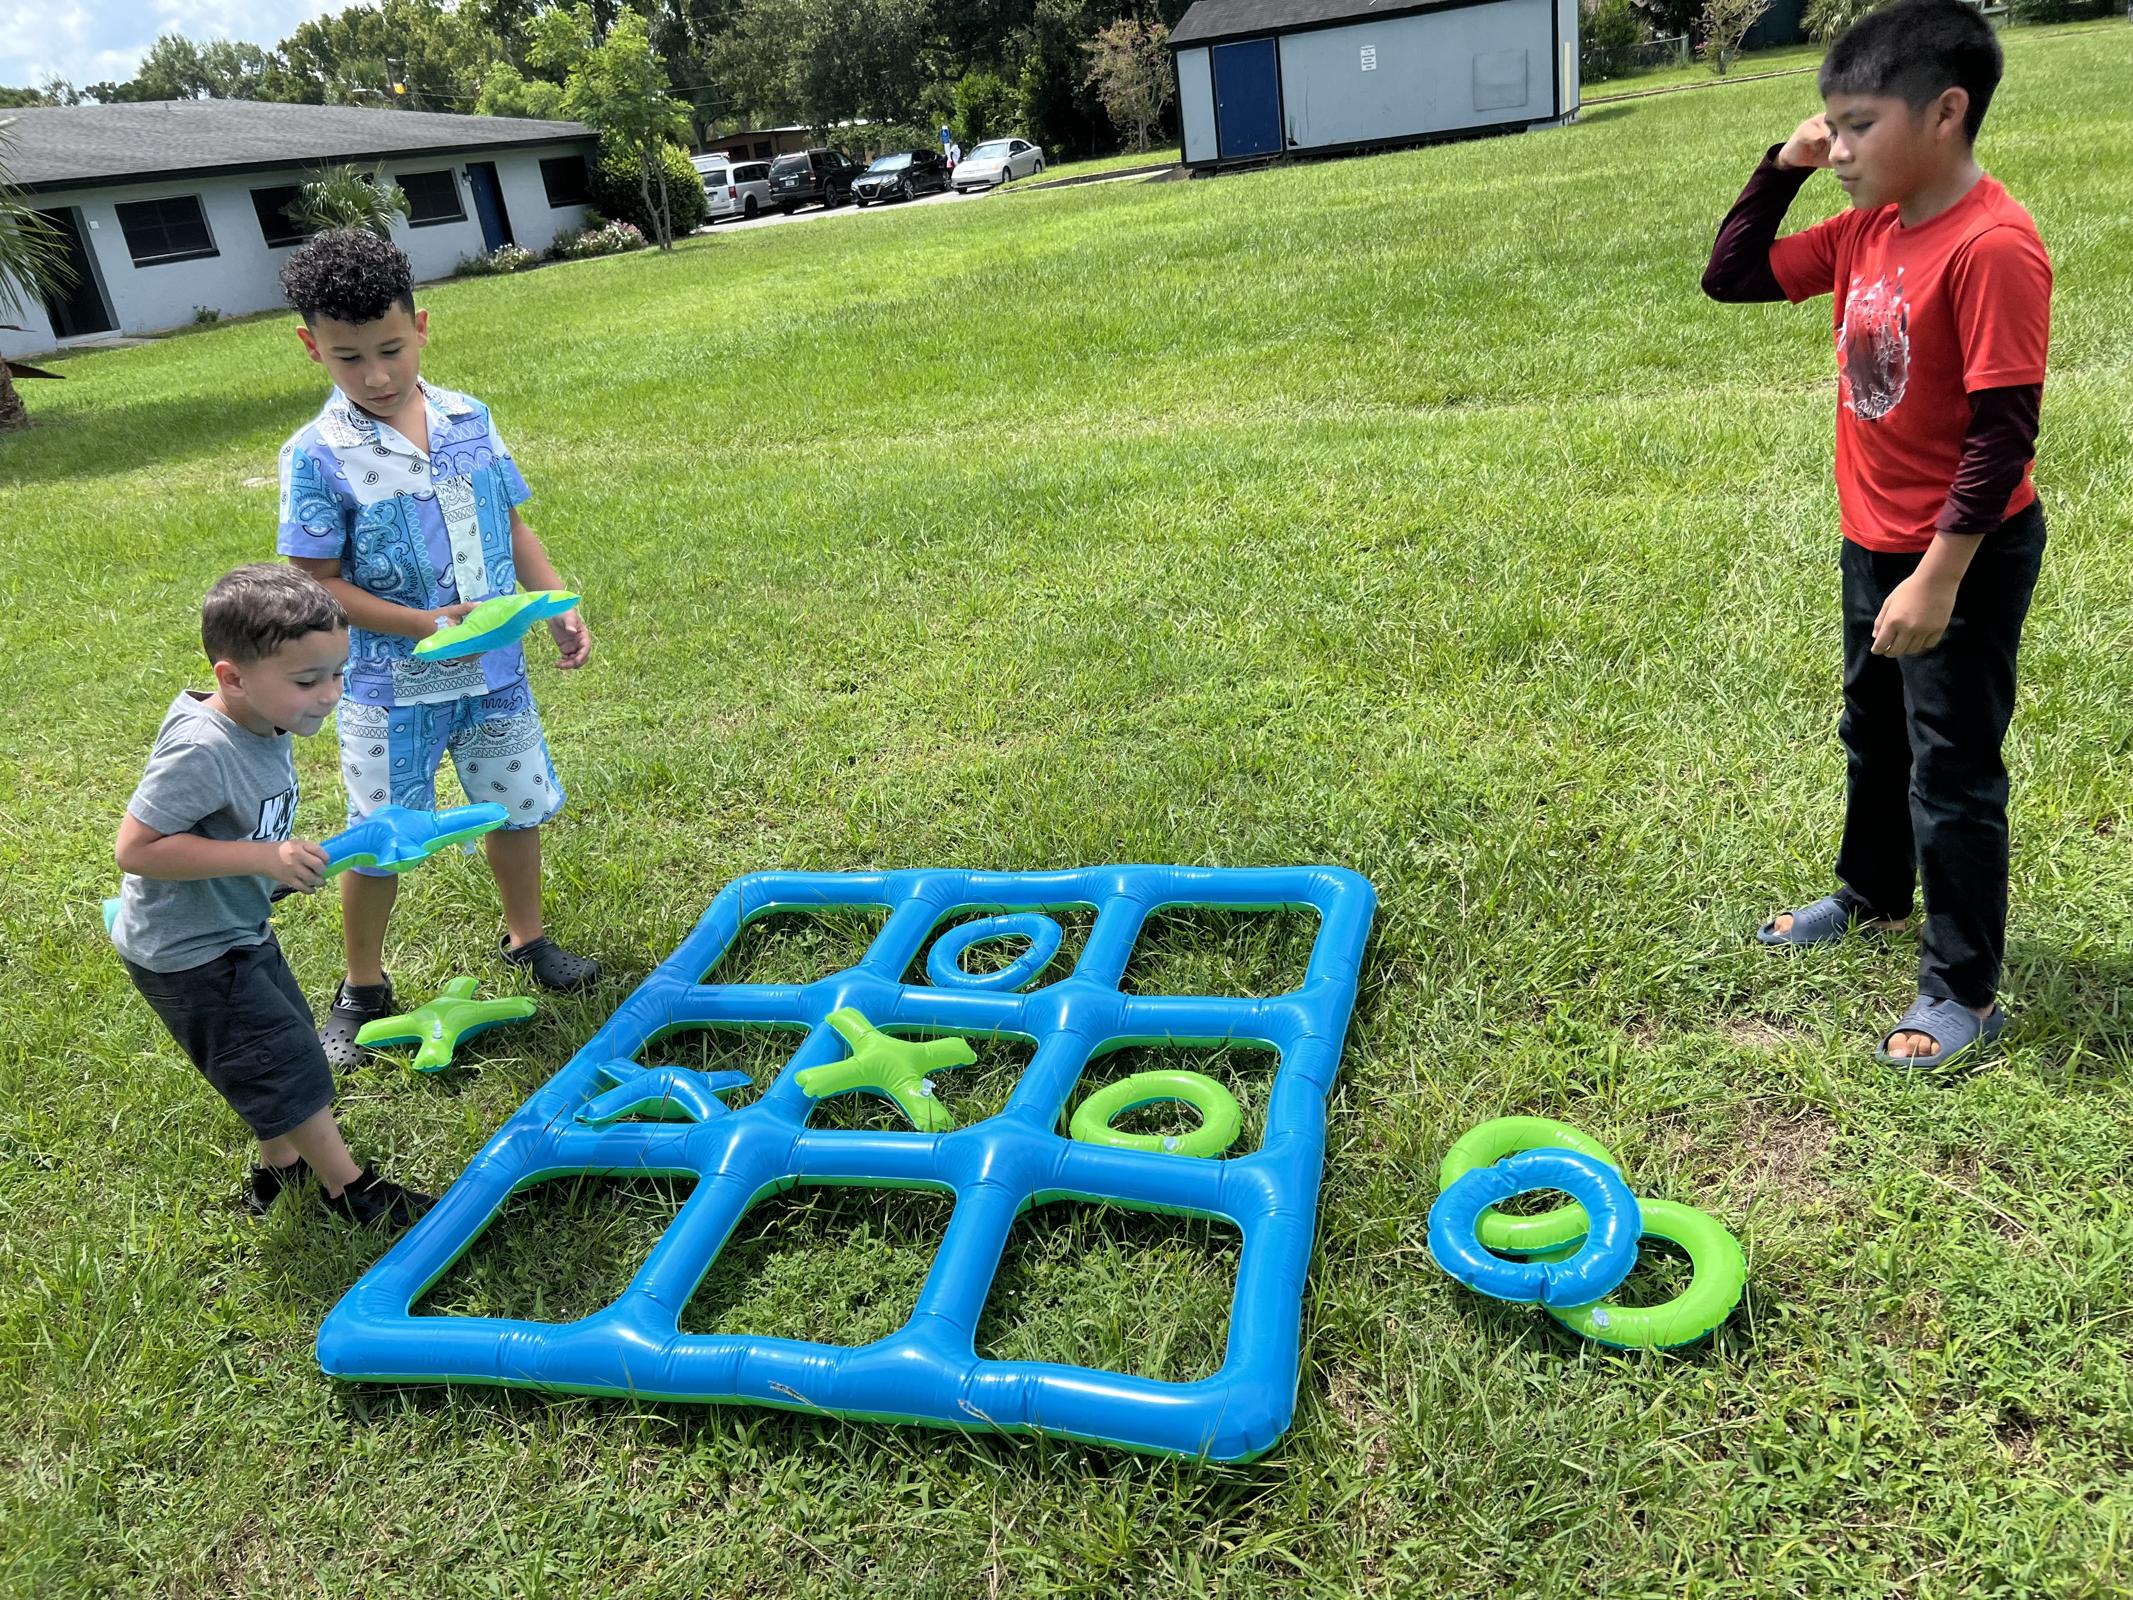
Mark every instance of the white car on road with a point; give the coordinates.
(996, 161)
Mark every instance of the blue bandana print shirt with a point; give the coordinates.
(420, 525)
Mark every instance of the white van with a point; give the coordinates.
(732, 188)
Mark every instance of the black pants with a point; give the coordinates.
(1926, 797)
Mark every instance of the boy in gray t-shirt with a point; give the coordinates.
(207, 838)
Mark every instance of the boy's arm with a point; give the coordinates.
(1739, 271)
(573, 639)
(369, 612)
(186, 857)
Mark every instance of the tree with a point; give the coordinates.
(506, 92)
(620, 88)
(33, 263)
(1725, 24)
(1129, 68)
(984, 107)
(348, 197)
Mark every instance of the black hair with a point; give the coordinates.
(1912, 51)
(348, 274)
(252, 612)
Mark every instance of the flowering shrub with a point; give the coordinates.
(605, 239)
(504, 258)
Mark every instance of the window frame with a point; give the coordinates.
(297, 232)
(121, 207)
(451, 178)
(577, 194)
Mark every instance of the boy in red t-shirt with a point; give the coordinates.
(1943, 308)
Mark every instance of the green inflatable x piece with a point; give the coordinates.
(884, 1065)
(441, 1025)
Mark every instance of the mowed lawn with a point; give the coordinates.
(1415, 514)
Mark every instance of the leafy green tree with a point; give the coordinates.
(1129, 68)
(985, 107)
(505, 92)
(620, 88)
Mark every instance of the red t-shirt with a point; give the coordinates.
(1924, 316)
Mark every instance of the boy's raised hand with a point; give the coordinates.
(1809, 144)
(295, 864)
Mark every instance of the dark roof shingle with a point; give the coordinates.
(1209, 21)
(67, 146)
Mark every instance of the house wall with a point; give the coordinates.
(1405, 77)
(242, 276)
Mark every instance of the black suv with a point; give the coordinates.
(903, 176)
(811, 177)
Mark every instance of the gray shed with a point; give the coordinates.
(1261, 78)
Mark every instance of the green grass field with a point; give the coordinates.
(1415, 514)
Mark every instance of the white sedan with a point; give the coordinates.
(996, 161)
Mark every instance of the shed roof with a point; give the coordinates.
(1212, 21)
(64, 147)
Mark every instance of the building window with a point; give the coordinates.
(170, 229)
(432, 197)
(567, 181)
(275, 225)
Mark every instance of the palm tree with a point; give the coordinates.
(347, 197)
(33, 262)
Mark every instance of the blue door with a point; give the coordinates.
(1247, 99)
(489, 204)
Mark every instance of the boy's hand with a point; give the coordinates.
(1809, 144)
(295, 864)
(445, 616)
(573, 640)
(1913, 618)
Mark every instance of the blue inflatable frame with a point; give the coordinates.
(928, 1371)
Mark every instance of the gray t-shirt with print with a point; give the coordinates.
(211, 777)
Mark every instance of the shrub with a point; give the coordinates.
(2027, 11)
(617, 193)
(606, 239)
(1825, 19)
(1725, 23)
(1608, 36)
(504, 258)
(985, 108)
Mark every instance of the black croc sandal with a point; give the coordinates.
(352, 1007)
(552, 966)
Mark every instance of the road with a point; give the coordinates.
(772, 219)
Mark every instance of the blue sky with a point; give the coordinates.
(91, 40)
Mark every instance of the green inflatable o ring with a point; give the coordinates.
(1720, 1275)
(1506, 1136)
(1220, 1119)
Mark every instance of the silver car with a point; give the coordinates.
(995, 162)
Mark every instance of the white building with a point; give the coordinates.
(175, 206)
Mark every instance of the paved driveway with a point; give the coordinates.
(772, 219)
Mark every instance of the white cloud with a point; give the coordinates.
(89, 40)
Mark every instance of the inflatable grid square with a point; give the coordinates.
(928, 1371)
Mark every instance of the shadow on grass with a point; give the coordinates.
(63, 445)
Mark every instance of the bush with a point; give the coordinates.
(504, 258)
(1608, 35)
(603, 239)
(1825, 19)
(986, 107)
(2058, 10)
(616, 192)
(1725, 24)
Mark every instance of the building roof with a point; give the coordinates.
(1212, 21)
(70, 147)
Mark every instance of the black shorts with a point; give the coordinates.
(245, 1023)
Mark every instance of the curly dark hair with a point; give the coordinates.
(252, 612)
(348, 274)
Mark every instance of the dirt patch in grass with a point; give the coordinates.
(1787, 1156)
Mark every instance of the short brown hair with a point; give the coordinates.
(252, 612)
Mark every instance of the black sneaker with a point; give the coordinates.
(371, 1200)
(264, 1185)
(353, 1005)
(552, 966)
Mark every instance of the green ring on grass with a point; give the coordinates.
(1508, 1136)
(1720, 1276)
(1220, 1119)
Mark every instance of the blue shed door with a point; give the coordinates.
(489, 204)
(1247, 99)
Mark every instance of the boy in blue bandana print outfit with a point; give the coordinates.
(402, 500)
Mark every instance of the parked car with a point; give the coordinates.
(732, 188)
(995, 161)
(903, 176)
(811, 177)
